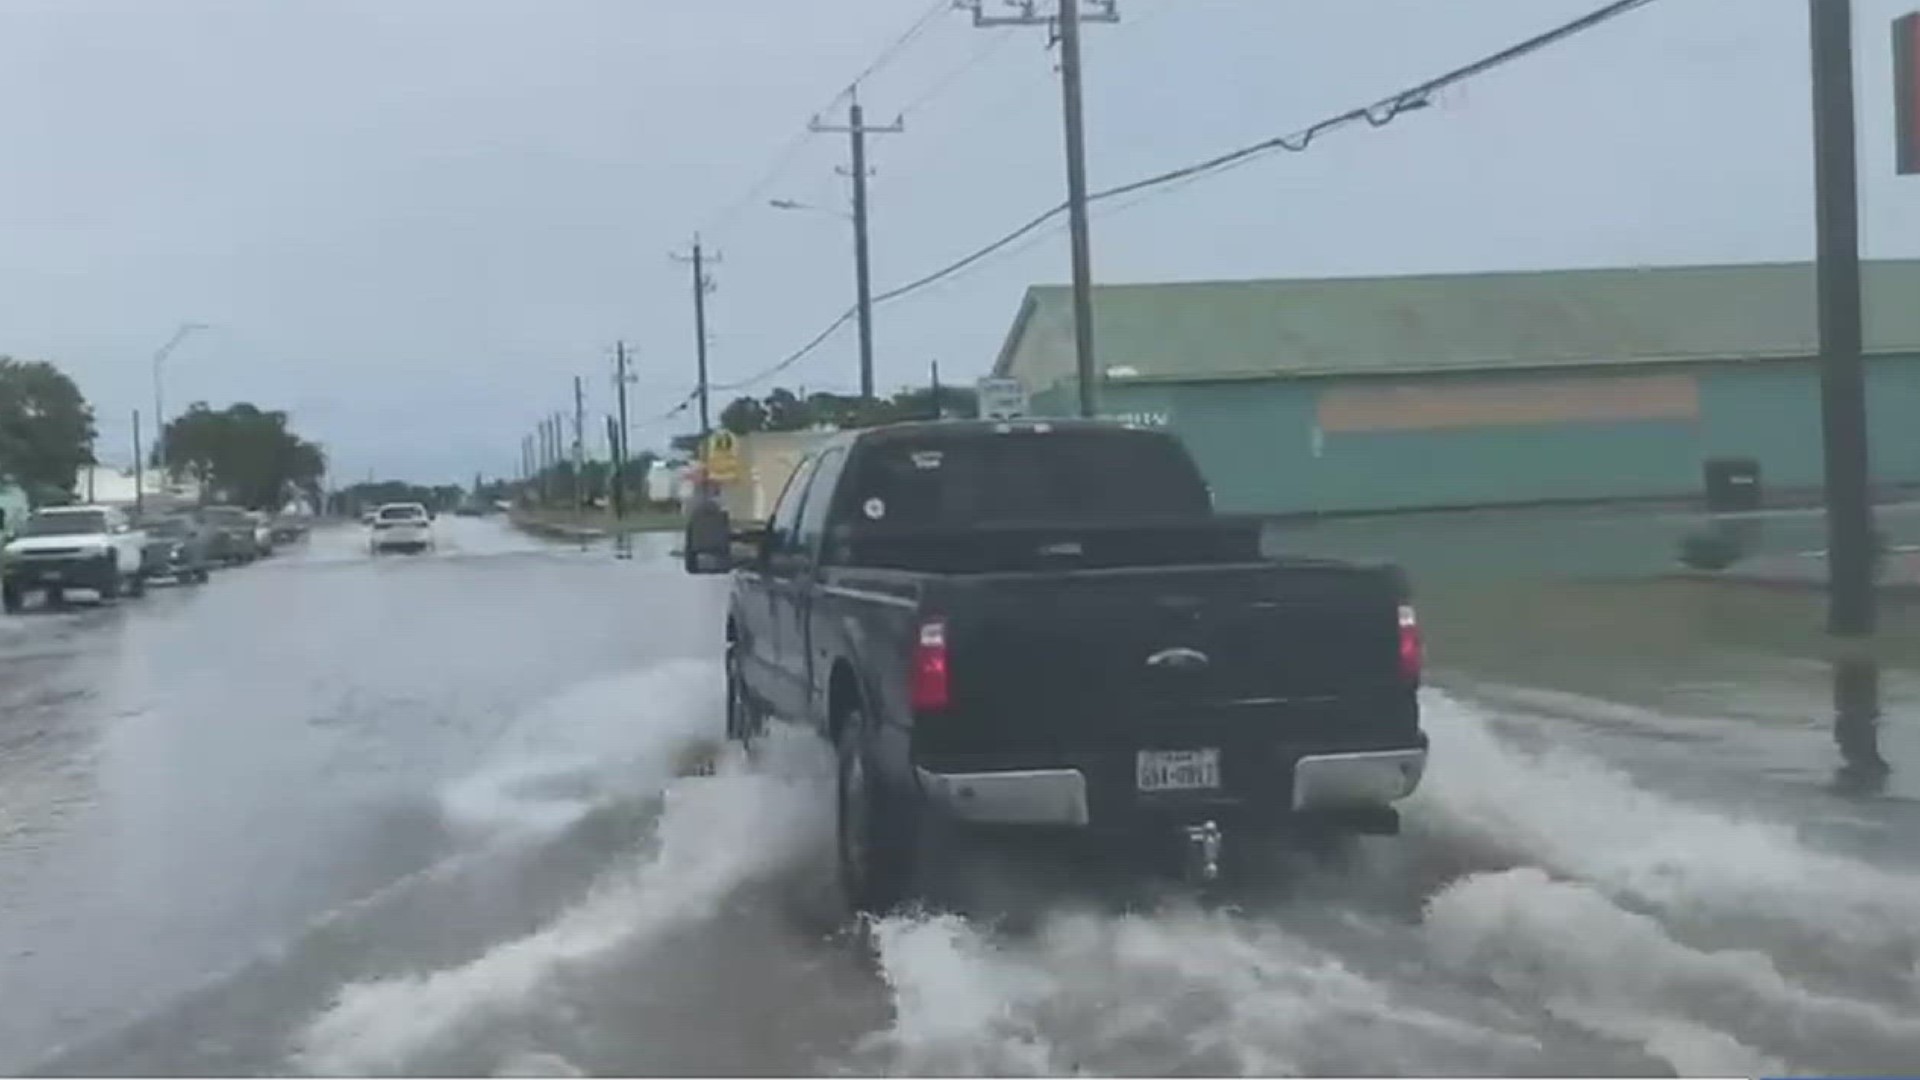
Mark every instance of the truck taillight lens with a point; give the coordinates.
(929, 688)
(1412, 653)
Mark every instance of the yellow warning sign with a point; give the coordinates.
(723, 457)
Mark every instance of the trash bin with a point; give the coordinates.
(1733, 484)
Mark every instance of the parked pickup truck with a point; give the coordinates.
(1047, 626)
(73, 547)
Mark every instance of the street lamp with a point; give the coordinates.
(159, 397)
(791, 204)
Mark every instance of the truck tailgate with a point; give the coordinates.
(1276, 652)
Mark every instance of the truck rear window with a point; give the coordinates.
(947, 480)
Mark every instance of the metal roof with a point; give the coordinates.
(1376, 325)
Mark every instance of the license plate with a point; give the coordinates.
(1177, 770)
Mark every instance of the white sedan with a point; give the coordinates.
(401, 527)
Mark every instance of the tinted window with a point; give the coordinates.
(782, 526)
(164, 527)
(70, 524)
(813, 515)
(950, 479)
(401, 513)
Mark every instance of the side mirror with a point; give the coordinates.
(709, 545)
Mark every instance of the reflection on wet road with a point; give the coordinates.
(424, 815)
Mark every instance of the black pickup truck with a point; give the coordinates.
(1045, 625)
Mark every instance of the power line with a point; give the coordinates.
(920, 26)
(1378, 114)
(784, 156)
(986, 51)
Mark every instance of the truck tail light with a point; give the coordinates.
(1412, 651)
(928, 683)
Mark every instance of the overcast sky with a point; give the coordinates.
(412, 222)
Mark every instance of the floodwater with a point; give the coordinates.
(431, 815)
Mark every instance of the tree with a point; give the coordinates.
(46, 428)
(246, 454)
(744, 416)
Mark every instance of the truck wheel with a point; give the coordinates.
(137, 585)
(876, 834)
(56, 596)
(110, 588)
(10, 598)
(745, 721)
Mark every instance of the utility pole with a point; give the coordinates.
(1843, 401)
(702, 285)
(579, 448)
(618, 444)
(934, 391)
(857, 131)
(1066, 24)
(139, 476)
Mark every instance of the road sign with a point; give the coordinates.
(723, 457)
(1002, 398)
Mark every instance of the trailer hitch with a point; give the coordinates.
(1203, 852)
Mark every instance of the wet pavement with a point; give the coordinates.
(334, 815)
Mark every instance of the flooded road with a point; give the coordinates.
(428, 815)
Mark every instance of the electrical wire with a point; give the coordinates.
(783, 157)
(1377, 114)
(981, 55)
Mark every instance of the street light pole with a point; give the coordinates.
(1850, 534)
(159, 396)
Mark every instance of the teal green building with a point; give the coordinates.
(1444, 391)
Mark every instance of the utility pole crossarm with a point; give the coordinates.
(1102, 11)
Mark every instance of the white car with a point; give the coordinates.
(77, 547)
(401, 527)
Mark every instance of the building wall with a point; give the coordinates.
(1330, 445)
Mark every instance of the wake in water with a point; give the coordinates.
(716, 835)
(1593, 925)
(1544, 914)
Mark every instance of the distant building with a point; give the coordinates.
(1358, 394)
(113, 485)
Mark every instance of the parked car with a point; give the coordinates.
(176, 549)
(401, 527)
(231, 539)
(262, 532)
(289, 528)
(61, 548)
(1046, 626)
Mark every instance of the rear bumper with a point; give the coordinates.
(1357, 786)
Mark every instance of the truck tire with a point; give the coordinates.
(745, 720)
(136, 585)
(110, 585)
(10, 599)
(876, 833)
